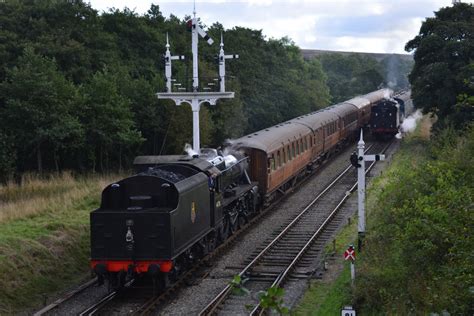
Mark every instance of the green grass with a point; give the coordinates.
(46, 249)
(327, 298)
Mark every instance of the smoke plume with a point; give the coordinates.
(409, 124)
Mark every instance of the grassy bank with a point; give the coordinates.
(418, 258)
(44, 236)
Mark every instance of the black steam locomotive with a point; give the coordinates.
(387, 115)
(175, 210)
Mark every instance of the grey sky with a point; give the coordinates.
(357, 25)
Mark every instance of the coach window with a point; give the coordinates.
(278, 159)
(297, 148)
(288, 153)
(301, 145)
(292, 150)
(272, 162)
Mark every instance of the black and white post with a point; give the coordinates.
(360, 164)
(222, 58)
(168, 59)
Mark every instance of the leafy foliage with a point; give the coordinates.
(272, 299)
(39, 108)
(237, 287)
(444, 53)
(351, 75)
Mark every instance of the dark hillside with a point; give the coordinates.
(311, 53)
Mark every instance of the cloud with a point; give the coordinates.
(354, 25)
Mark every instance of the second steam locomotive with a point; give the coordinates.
(176, 209)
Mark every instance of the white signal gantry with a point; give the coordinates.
(195, 98)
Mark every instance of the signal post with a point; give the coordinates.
(358, 160)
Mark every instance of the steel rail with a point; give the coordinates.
(96, 307)
(66, 297)
(219, 298)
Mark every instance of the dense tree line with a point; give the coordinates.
(77, 88)
(352, 74)
(443, 74)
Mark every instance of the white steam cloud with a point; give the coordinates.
(409, 124)
(189, 149)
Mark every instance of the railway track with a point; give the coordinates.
(291, 252)
(66, 297)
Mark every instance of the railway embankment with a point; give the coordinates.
(44, 237)
(417, 257)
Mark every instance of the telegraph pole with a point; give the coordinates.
(196, 98)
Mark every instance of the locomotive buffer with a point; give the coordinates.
(358, 160)
(196, 98)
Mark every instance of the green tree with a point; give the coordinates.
(108, 120)
(7, 157)
(118, 107)
(444, 50)
(39, 107)
(351, 75)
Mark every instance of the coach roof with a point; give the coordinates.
(272, 138)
